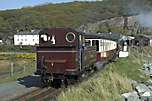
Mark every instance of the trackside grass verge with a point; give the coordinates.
(110, 83)
(105, 86)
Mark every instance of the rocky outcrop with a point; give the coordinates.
(148, 69)
(129, 25)
(142, 91)
(132, 96)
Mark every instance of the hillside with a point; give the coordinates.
(53, 15)
(71, 14)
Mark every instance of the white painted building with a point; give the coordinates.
(1, 41)
(26, 38)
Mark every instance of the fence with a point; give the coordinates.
(13, 69)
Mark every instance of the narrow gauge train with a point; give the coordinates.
(63, 54)
(107, 48)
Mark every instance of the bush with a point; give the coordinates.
(26, 56)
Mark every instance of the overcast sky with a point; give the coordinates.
(13, 4)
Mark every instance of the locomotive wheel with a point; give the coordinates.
(44, 81)
(56, 83)
(66, 83)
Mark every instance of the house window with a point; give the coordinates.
(33, 39)
(25, 39)
(17, 39)
(21, 39)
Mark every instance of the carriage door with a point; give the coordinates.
(80, 52)
(97, 45)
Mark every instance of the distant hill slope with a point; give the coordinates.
(71, 14)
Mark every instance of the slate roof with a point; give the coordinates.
(36, 32)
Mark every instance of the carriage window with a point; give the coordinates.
(87, 42)
(93, 42)
(96, 43)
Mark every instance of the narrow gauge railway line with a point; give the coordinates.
(40, 94)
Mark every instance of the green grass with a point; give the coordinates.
(14, 56)
(12, 48)
(19, 64)
(5, 65)
(110, 83)
(105, 86)
(17, 75)
(20, 61)
(128, 67)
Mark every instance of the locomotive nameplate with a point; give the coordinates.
(55, 61)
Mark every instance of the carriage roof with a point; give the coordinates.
(109, 36)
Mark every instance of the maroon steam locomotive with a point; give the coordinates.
(64, 54)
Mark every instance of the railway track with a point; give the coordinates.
(50, 94)
(44, 94)
(47, 94)
(41, 94)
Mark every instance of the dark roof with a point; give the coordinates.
(36, 32)
(147, 36)
(109, 36)
(142, 37)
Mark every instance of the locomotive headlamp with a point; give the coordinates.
(70, 37)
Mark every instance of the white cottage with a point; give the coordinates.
(27, 38)
(1, 41)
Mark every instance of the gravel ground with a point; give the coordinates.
(13, 89)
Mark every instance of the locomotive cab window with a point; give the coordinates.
(70, 37)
